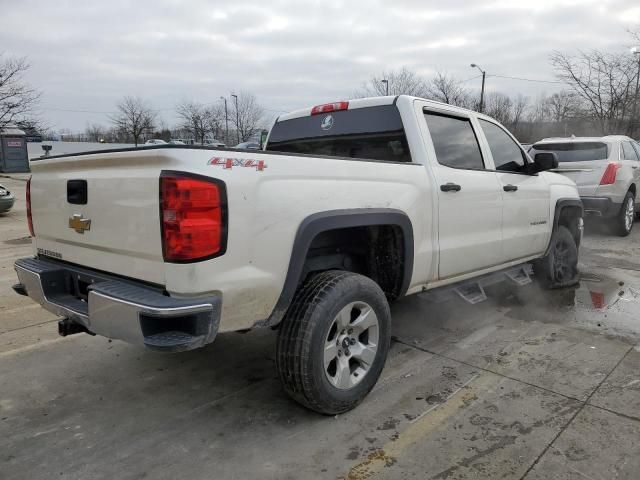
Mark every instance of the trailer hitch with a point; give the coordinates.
(69, 327)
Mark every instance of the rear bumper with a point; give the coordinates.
(600, 206)
(118, 308)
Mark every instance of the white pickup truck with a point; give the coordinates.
(350, 206)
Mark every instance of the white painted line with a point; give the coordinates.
(33, 346)
(426, 412)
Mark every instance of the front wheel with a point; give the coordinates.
(559, 268)
(333, 341)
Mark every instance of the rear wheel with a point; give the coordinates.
(333, 341)
(623, 222)
(559, 268)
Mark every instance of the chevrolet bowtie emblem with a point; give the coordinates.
(79, 224)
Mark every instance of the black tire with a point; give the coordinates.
(622, 224)
(559, 268)
(305, 332)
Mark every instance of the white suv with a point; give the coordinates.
(606, 171)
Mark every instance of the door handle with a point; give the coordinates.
(450, 187)
(510, 188)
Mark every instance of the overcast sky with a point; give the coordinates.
(85, 55)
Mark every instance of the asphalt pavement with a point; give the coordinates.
(529, 384)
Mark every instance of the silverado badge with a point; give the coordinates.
(79, 224)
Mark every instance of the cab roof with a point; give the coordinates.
(370, 102)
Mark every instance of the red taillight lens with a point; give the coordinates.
(329, 107)
(29, 218)
(193, 217)
(609, 176)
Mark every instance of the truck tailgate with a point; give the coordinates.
(117, 228)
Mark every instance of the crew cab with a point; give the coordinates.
(351, 205)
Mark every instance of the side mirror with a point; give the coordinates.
(546, 161)
(47, 149)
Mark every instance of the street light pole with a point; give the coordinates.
(235, 97)
(473, 65)
(226, 121)
(386, 84)
(634, 121)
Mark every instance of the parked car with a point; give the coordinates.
(606, 170)
(176, 142)
(6, 200)
(248, 146)
(155, 141)
(352, 205)
(213, 143)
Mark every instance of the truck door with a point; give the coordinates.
(469, 196)
(525, 212)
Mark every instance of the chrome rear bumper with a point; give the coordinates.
(119, 308)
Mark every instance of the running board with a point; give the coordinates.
(472, 291)
(519, 276)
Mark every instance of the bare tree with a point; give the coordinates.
(517, 114)
(33, 125)
(519, 106)
(95, 132)
(199, 120)
(448, 89)
(562, 105)
(539, 110)
(247, 116)
(499, 106)
(214, 117)
(193, 119)
(605, 82)
(400, 82)
(634, 121)
(17, 98)
(134, 117)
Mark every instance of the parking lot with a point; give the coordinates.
(528, 384)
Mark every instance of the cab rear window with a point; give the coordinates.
(374, 133)
(574, 151)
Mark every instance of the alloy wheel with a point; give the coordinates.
(351, 345)
(628, 214)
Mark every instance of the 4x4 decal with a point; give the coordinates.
(229, 163)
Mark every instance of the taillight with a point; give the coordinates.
(29, 218)
(193, 217)
(609, 176)
(329, 107)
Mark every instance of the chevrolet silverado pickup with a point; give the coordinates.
(350, 206)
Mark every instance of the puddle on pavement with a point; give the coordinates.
(605, 302)
(600, 292)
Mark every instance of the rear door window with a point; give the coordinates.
(507, 154)
(573, 151)
(628, 152)
(454, 141)
(375, 133)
